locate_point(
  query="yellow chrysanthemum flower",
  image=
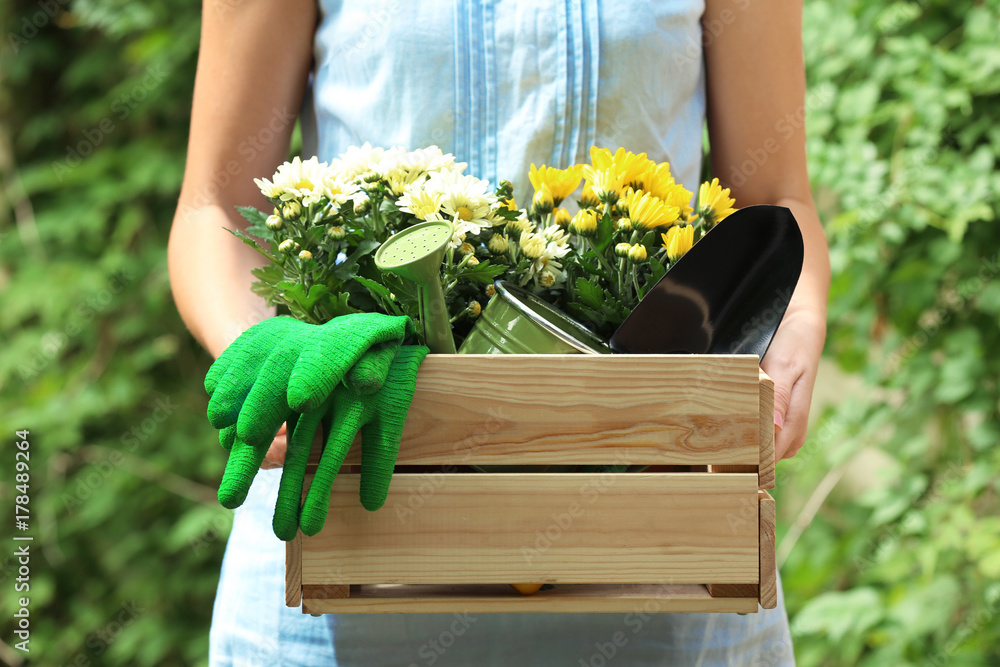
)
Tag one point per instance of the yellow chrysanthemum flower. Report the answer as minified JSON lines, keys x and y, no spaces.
{"x":588,"y":198}
{"x":714,"y":202}
{"x":561,"y":182}
{"x":678,"y":240}
{"x":608,"y":175}
{"x":658,"y":181}
{"x":648,"y":212}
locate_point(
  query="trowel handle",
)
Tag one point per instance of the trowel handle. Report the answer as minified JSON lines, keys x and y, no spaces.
{"x":434,"y":318}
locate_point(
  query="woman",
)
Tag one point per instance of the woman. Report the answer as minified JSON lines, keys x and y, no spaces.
{"x":499,"y":85}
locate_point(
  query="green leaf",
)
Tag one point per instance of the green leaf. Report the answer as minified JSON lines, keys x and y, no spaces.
{"x":257,"y":220}
{"x":483,"y":273}
{"x":252,"y":243}
{"x":349,"y":267}
{"x":589,"y":294}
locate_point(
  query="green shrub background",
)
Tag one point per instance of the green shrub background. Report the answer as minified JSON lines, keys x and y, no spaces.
{"x":889,"y":528}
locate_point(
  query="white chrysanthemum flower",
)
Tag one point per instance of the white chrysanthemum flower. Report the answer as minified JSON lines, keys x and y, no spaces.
{"x":429,"y":160}
{"x":465,"y":200}
{"x":420,"y":202}
{"x":357,"y":161}
{"x":556,"y":234}
{"x":457,"y":239}
{"x":532,"y":245}
{"x":300,"y":180}
{"x":544,"y":255}
{"x":338,"y":191}
{"x":521,"y":224}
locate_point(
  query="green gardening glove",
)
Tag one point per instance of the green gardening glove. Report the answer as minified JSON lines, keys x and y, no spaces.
{"x":281,"y":366}
{"x":379,"y":416}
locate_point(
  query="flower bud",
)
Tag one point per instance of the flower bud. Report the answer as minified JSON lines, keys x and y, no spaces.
{"x":542,"y":202}
{"x":547,"y":279}
{"x":490,"y":291}
{"x":624,"y":225}
{"x":336,"y":233}
{"x":474,"y":309}
{"x":584,"y":222}
{"x":520,"y":224}
{"x":291,"y":210}
{"x":466,"y":249}
{"x":588,"y":198}
{"x":505,"y":190}
{"x":305,"y":255}
{"x":472,"y":261}
{"x":498,"y":244}
{"x":532,"y":245}
{"x":362,"y":206}
{"x":288,"y":246}
{"x":637,"y":253}
{"x":562,"y":217}
{"x":372,"y":177}
{"x":622,"y":249}
{"x":274,"y":223}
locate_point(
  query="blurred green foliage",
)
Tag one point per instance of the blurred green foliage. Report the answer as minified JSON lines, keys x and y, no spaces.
{"x":904,"y":135}
{"x":901,"y":564}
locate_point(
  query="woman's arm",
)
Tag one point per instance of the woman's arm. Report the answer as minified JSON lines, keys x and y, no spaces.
{"x":756,"y":110}
{"x":253,"y":65}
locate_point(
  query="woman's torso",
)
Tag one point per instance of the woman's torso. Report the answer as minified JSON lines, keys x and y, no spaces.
{"x":504,"y":84}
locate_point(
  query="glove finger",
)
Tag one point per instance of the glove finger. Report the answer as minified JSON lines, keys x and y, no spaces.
{"x":227,"y":437}
{"x":265,"y":408}
{"x":231,"y":389}
{"x":348,"y":416}
{"x":243,"y":464}
{"x":379,"y":450}
{"x":381,"y":436}
{"x":369,"y":374}
{"x":334,"y":348}
{"x":286,"y":510}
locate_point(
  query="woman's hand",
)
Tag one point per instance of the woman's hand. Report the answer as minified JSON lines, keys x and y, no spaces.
{"x":792,"y":361}
{"x":275,"y":456}
{"x":756,"y":124}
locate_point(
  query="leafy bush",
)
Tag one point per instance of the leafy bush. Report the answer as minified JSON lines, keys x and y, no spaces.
{"x":904,"y":134}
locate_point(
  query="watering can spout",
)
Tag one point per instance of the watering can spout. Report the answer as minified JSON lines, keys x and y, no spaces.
{"x":415,"y":254}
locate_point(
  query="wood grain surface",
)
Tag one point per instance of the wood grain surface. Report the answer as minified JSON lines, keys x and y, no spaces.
{"x":548,"y":528}
{"x":582,"y":409}
{"x":572,"y":598}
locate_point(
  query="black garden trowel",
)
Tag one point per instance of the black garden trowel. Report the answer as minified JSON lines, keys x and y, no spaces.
{"x":727,"y":295}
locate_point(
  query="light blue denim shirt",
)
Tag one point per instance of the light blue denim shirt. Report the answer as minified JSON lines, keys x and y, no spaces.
{"x":504,"y":84}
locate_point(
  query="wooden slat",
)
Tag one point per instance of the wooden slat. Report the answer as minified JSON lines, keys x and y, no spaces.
{"x":768,"y":568}
{"x":293,"y":571}
{"x":547,"y":528}
{"x":325,"y":592}
{"x":766,"y":431}
{"x":734,"y":591}
{"x":581,"y":409}
{"x":571,"y":598}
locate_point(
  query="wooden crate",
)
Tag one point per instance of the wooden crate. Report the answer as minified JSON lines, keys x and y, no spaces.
{"x":695,"y":533}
